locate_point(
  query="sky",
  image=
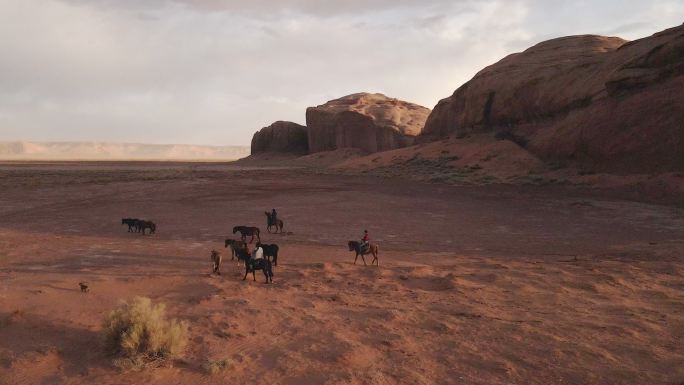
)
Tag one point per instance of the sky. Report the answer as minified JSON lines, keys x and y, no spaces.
{"x":215,"y":71}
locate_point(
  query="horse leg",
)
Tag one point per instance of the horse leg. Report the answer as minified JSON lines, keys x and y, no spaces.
{"x":357,"y":257}
{"x":254,"y":275}
{"x":364,"y":260}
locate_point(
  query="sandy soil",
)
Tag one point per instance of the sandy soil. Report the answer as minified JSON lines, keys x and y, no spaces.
{"x":476,"y":285}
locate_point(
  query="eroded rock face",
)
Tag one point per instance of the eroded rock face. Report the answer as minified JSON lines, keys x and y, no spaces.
{"x":607,"y":104}
{"x":370,"y":122}
{"x":284,"y":137}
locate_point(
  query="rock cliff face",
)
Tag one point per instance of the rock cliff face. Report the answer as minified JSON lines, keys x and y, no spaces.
{"x":602,"y":102}
{"x":369,"y":122}
{"x":286,"y":137}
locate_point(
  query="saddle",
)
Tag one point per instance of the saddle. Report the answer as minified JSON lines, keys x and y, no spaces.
{"x":364,"y":247}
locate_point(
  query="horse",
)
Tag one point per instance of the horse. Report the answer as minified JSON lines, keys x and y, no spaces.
{"x":131,"y":222}
{"x":247,"y":231}
{"x":216,"y":262}
{"x":234,"y":245}
{"x":143,"y":225}
{"x":269,"y":223}
{"x":242,"y":254}
{"x":270,"y":251}
{"x":358,"y":248}
{"x":263,"y":264}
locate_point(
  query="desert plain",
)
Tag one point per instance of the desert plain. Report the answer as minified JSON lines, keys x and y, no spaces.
{"x":491,"y":284}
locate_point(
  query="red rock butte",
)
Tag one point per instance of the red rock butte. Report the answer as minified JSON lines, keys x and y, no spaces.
{"x":370,"y":122}
{"x":601,"y":102}
{"x":284,"y":137}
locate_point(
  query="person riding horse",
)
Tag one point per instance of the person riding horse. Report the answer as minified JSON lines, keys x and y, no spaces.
{"x":258,"y":252}
{"x":273,"y":218}
{"x":365,"y":241}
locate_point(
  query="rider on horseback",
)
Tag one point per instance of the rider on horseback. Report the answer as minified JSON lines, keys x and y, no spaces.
{"x":365,"y":241}
{"x":274,"y":218}
{"x":258,"y":252}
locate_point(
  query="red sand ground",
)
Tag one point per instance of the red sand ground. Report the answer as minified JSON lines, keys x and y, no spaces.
{"x":476,"y":285}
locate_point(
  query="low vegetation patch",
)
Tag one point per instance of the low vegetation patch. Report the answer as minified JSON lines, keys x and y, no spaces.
{"x":138,"y":334}
{"x":214,"y":367}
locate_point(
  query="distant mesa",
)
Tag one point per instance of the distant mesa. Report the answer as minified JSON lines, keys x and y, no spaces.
{"x":281,"y":137}
{"x":600,"y":102}
{"x":369,"y":122}
{"x":117,"y":151}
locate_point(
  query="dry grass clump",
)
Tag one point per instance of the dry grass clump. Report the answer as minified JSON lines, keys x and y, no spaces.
{"x":214,"y":367}
{"x":139,"y":334}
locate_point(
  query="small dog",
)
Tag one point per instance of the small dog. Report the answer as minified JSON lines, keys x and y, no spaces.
{"x":84,"y":287}
{"x":216,"y":262}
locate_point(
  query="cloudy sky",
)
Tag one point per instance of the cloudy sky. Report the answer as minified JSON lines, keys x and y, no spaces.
{"x":214,"y":71}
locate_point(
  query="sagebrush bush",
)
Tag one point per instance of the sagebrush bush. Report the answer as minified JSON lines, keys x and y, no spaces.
{"x":140,"y":331}
{"x":215,"y":366}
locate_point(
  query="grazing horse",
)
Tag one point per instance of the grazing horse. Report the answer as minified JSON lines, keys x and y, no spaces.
{"x":131,"y":222}
{"x":270,"y":251}
{"x":263,"y":264}
{"x":247,"y":231}
{"x":269,"y":223}
{"x":216,"y":262}
{"x":358,"y":248}
{"x":234,"y":246}
{"x":143,"y":225}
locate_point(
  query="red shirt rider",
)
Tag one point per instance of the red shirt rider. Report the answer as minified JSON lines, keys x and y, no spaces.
{"x":365,"y":238}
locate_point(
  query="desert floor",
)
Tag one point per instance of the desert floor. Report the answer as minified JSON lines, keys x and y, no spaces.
{"x":476,"y":285}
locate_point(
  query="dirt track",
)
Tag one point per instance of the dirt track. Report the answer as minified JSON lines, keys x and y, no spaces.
{"x":476,"y":285}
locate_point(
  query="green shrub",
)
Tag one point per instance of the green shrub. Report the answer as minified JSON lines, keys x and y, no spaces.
{"x":139,"y":332}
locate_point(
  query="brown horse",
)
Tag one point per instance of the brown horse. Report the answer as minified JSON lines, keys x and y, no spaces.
{"x":143,"y":225}
{"x":234,"y":246}
{"x":246,"y":231}
{"x":358,"y":248}
{"x":269,"y":223}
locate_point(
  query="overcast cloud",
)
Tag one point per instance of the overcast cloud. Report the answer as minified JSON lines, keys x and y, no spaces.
{"x":213,"y":72}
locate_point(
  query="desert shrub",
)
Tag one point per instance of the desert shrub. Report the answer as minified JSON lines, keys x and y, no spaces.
{"x":214,"y":367}
{"x":139,"y":332}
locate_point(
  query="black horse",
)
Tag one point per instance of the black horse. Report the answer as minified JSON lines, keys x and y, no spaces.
{"x":242,"y":254}
{"x":132,"y":224}
{"x":143,"y":225}
{"x":246,"y":231}
{"x":270,"y":251}
{"x":263,"y":264}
